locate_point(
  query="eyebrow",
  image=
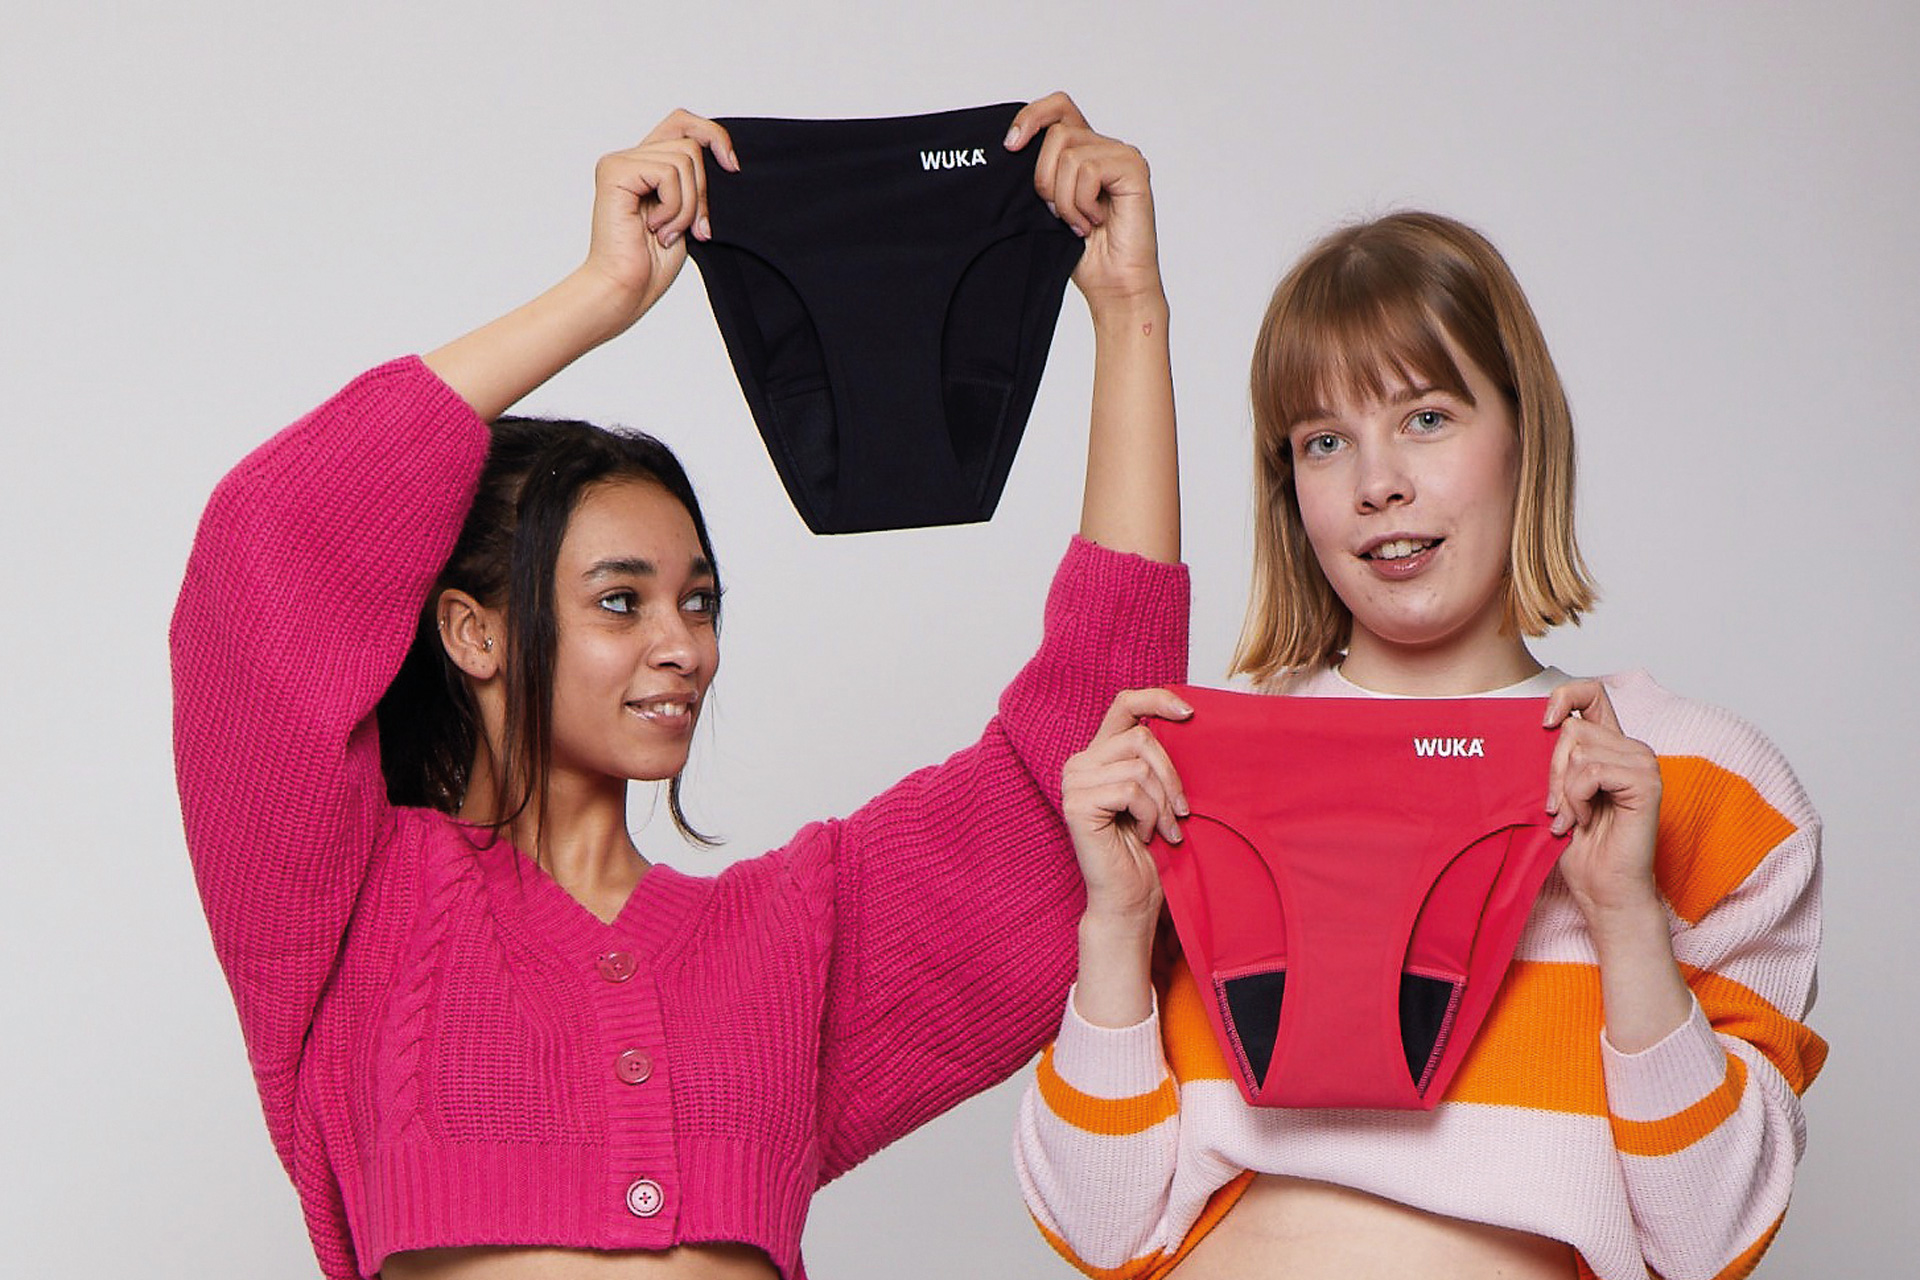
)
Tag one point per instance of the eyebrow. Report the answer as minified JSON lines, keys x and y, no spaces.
{"x":1407,"y":395}
{"x":640,"y":567}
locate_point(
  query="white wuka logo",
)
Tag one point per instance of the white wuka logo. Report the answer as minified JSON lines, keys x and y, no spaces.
{"x":1450,"y":747}
{"x":952,"y":159}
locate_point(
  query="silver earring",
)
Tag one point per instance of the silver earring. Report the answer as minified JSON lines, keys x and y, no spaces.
{"x":489,"y":645}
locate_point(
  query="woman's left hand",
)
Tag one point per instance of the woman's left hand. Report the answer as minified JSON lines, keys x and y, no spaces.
{"x":1604,"y":787}
{"x":1100,"y":187}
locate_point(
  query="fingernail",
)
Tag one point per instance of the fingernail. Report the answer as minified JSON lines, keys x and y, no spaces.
{"x":1180,"y":807}
{"x":1553,"y":804}
{"x":730,"y":160}
{"x":1182,"y":708}
{"x":1081,"y":232}
{"x":1050,"y":209}
{"x":669,"y":238}
{"x":703,"y":229}
{"x":1013,"y":138}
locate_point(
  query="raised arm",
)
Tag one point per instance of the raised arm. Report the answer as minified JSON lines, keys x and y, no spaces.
{"x":647,"y":200}
{"x":303,"y":592}
{"x":1100,"y":187}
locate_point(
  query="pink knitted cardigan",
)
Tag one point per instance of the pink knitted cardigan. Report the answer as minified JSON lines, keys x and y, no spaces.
{"x":449,"y":1049}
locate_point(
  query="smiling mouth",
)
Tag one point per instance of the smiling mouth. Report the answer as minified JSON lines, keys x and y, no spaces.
{"x":1401,"y":548}
{"x":663,"y":708}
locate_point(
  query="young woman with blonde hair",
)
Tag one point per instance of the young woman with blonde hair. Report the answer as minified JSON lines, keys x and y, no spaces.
{"x":1631,"y":1105}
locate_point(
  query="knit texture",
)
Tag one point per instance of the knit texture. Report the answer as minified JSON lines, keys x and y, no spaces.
{"x":449,"y":1049}
{"x":1676,"y":1161}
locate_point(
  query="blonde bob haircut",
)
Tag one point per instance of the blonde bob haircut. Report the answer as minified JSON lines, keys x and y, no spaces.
{"x":1371,"y":307}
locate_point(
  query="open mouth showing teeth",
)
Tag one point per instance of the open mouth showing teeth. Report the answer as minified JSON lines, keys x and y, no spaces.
{"x":662,"y":708}
{"x":1400,"y":549}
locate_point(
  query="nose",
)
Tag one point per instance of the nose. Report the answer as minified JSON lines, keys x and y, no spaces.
{"x":1382,"y":480}
{"x":675,"y":647}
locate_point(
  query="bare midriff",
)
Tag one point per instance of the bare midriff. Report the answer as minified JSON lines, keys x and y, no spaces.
{"x":1292,"y":1229}
{"x":684,"y":1262}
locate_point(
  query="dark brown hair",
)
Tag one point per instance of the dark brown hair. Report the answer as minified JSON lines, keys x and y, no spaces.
{"x":536,"y":472}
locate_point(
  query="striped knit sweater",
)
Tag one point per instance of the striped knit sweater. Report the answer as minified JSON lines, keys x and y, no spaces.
{"x":449,"y":1049}
{"x":1676,"y":1161}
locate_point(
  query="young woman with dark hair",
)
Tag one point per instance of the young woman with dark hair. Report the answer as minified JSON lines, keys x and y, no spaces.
{"x":418,"y":661}
{"x":1631,"y":1104}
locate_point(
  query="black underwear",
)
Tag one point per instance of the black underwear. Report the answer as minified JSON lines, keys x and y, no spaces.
{"x":887,"y":290}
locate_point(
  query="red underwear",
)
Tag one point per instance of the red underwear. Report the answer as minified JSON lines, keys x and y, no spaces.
{"x":1354,"y":879}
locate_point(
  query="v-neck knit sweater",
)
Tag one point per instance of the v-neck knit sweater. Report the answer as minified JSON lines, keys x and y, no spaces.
{"x":449,"y":1049}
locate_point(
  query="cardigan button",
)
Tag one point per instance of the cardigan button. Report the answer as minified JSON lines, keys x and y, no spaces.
{"x":644,"y":1198}
{"x":634,"y":1066}
{"x":616,"y":966}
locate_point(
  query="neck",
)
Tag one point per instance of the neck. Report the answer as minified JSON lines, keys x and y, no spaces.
{"x":577,"y":833}
{"x":1437,"y":671}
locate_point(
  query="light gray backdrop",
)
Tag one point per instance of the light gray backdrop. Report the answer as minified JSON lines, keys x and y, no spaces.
{"x":215,"y":212}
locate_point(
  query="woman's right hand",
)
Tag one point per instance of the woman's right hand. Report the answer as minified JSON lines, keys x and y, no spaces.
{"x":647,"y":200}
{"x":1117,"y":795}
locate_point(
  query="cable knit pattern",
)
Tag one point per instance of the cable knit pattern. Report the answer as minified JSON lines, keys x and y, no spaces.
{"x":449,"y":1049}
{"x":1676,"y":1161}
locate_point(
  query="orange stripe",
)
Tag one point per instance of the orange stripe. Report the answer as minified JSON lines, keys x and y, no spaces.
{"x":1139,"y":1269}
{"x":1192,"y":1050}
{"x":1154,"y":1266}
{"x":1218,"y":1205}
{"x":1743,"y":1265}
{"x":1681,"y":1130}
{"x":1538,"y":1047}
{"x":1714,"y":830}
{"x":1107,"y":1117}
{"x":1745,"y":1014}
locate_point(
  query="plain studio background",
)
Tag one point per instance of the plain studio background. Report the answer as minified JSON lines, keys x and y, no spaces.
{"x":216,"y":213}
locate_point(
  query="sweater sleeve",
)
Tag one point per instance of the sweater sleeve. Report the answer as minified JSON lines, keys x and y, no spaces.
{"x":1097,"y":1150}
{"x":301,"y":596}
{"x":955,"y":893}
{"x":1708,"y":1122}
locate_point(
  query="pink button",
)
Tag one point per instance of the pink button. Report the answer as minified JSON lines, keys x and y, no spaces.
{"x":616,"y":966}
{"x":644,"y":1198}
{"x":633,"y":1066}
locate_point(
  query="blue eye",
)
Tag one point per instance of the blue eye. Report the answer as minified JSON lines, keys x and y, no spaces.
{"x":1319,"y":444}
{"x":1428,"y":420}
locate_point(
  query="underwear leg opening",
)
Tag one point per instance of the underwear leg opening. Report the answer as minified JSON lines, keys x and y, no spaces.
{"x":1439,"y":958}
{"x":998,"y":327}
{"x":778,"y":357}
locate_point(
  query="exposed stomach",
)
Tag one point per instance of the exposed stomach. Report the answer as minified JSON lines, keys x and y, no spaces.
{"x":683,"y":1262}
{"x":1292,"y":1229}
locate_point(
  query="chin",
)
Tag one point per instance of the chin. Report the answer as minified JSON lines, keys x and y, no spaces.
{"x":654,"y":770}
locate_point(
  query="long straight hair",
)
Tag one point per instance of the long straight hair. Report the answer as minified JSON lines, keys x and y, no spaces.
{"x":536,"y":472}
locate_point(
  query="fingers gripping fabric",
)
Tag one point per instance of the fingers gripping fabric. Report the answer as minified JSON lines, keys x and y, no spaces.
{"x":1355,"y":877}
{"x":887,"y":290}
